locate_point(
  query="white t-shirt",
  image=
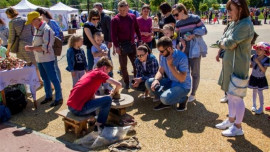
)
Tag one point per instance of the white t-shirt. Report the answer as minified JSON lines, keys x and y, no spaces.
{"x":144,"y":65}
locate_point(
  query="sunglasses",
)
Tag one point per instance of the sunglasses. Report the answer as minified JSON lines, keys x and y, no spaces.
{"x":141,"y":55}
{"x":176,"y":15}
{"x":163,"y":51}
{"x":237,"y":2}
{"x":95,"y":19}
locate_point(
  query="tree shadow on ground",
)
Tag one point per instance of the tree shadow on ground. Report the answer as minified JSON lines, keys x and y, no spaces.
{"x":36,"y":119}
{"x":194,"y":120}
{"x":258,"y":121}
{"x":240,"y":144}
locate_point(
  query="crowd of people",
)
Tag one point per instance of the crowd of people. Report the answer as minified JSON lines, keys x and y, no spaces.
{"x":256,"y":12}
{"x":172,"y":78}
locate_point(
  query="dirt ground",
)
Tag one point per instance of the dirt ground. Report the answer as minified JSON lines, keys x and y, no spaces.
{"x":169,"y":130}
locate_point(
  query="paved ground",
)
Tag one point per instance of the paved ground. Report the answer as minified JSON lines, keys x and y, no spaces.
{"x":14,"y":139}
{"x":168,"y":130}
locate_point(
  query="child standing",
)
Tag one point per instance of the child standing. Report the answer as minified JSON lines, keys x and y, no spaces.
{"x":3,"y":50}
{"x":168,"y":31}
{"x":99,"y":38}
{"x":257,"y":80}
{"x":76,"y":58}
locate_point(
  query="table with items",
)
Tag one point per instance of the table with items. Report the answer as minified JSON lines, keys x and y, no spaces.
{"x":16,"y":71}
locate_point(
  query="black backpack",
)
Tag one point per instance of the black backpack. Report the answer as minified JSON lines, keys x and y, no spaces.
{"x":15,"y":99}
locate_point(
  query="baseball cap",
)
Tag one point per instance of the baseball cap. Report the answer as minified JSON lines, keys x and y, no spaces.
{"x":31,"y":16}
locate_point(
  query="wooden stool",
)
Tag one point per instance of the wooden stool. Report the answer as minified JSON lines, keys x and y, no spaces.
{"x":76,"y":123}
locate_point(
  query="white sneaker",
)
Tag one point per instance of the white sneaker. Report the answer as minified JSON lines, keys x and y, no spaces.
{"x":225,"y":124}
{"x":224,"y":99}
{"x":253,"y":109}
{"x":233,"y":131}
{"x":191,"y":98}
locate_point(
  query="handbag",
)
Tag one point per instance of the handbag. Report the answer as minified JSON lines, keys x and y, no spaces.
{"x":15,"y":45}
{"x":57,"y":45}
{"x":237,"y":86}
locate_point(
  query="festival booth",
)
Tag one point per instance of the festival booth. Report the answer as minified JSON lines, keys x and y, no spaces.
{"x":23,"y":7}
{"x":63,"y":14}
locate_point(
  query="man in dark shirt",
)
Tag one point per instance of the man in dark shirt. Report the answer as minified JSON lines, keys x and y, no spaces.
{"x":105,"y":23}
{"x":123,"y":28}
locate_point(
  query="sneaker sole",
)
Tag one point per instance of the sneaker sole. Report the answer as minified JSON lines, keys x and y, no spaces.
{"x":179,"y":110}
{"x":221,"y":128}
{"x":161,"y":108}
{"x":233,"y":135}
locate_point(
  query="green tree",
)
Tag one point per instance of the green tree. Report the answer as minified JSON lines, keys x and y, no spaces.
{"x":4,"y":4}
{"x":189,"y":4}
{"x":203,"y":7}
{"x":210,"y":2}
{"x":13,"y":2}
{"x":215,"y":6}
{"x":154,"y":4}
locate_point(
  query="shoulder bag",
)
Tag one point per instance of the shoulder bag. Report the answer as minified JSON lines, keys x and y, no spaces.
{"x":237,"y":86}
{"x":15,"y":45}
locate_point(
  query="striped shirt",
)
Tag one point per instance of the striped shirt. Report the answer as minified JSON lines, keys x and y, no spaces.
{"x":188,"y":25}
{"x":17,"y":28}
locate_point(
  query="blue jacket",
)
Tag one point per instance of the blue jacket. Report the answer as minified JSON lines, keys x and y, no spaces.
{"x":197,"y":45}
{"x":151,"y":67}
{"x":71,"y":59}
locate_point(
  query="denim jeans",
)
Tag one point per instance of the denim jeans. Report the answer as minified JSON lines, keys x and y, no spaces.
{"x":90,"y":59}
{"x":48,"y":75}
{"x":58,"y":73}
{"x":168,"y":95}
{"x":102,"y":103}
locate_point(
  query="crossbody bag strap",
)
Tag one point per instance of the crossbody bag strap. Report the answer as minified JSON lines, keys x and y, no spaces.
{"x":21,"y":31}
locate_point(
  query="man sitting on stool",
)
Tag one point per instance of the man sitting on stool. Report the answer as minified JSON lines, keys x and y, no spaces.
{"x":175,"y":88}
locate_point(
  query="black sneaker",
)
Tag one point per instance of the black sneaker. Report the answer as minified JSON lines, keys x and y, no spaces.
{"x":46,"y":100}
{"x":183,"y":106}
{"x":56,"y":102}
{"x":161,"y":106}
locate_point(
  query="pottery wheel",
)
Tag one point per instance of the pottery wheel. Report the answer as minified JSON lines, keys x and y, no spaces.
{"x":124,"y":102}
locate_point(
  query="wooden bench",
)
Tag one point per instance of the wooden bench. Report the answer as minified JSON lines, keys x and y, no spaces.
{"x":76,"y":123}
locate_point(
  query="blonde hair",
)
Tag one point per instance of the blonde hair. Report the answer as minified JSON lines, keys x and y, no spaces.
{"x":73,"y":39}
{"x":1,"y":41}
{"x":168,"y":27}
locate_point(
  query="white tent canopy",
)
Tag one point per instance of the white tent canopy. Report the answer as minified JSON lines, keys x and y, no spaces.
{"x":23,"y":7}
{"x":104,"y":10}
{"x":62,"y":14}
